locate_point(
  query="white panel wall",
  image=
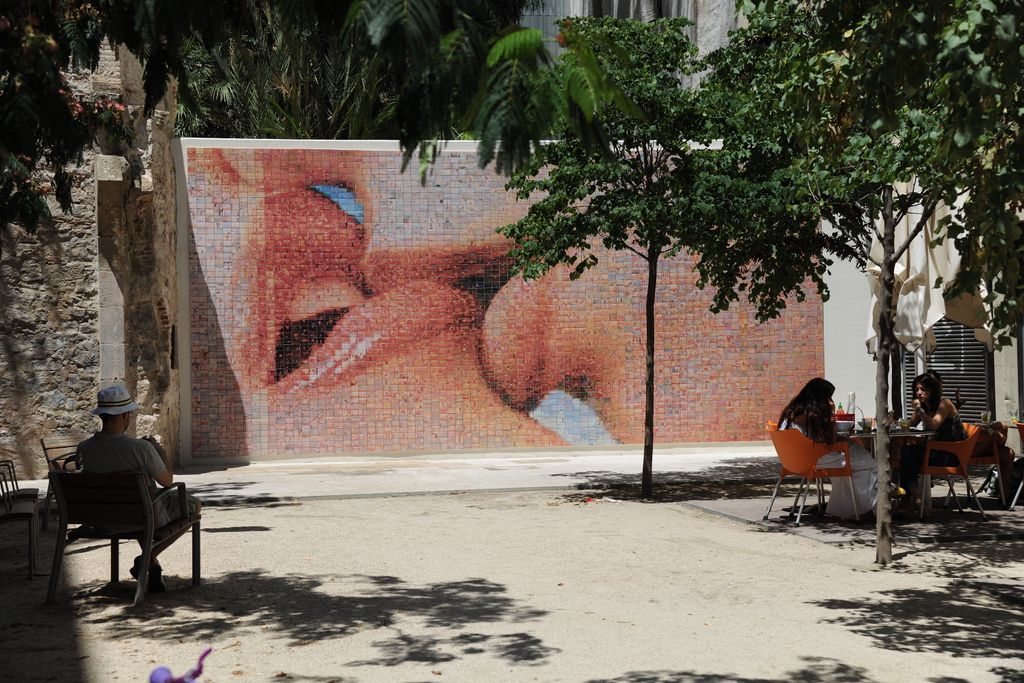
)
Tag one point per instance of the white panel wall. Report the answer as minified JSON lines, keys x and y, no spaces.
{"x":851,"y":368}
{"x":847,"y":362}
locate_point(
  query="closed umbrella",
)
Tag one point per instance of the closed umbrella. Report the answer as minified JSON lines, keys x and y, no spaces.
{"x":919,"y":302}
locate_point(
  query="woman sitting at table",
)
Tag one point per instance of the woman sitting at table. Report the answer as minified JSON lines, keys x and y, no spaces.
{"x":812,"y":412}
{"x":936,"y":413}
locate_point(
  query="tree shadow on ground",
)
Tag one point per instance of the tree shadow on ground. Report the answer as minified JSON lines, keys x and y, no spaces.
{"x":960,"y":618}
{"x":963,"y":562}
{"x":233,"y":495}
{"x":747,"y":478}
{"x":814,"y":670}
{"x":683,"y":491}
{"x":310,"y":609}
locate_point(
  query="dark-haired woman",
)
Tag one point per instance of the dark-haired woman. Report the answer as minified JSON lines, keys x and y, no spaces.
{"x":812,"y":411}
{"x":936,"y":413}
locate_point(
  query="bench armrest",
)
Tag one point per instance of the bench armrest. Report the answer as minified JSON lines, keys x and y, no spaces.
{"x":179,"y":488}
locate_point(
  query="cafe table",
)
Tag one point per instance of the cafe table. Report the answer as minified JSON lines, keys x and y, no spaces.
{"x":867,"y":439}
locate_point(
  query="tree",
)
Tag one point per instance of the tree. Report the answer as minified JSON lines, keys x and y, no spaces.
{"x":875,"y":57}
{"x":456,"y":73}
{"x":658,"y":190}
{"x":303,"y":80}
{"x":40,"y":117}
{"x":857,"y":146}
{"x":287,"y":81}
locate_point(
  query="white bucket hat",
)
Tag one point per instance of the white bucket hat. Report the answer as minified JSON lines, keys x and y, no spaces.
{"x":114,"y":401}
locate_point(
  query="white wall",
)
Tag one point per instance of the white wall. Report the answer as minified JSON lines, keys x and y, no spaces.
{"x":847,"y":362}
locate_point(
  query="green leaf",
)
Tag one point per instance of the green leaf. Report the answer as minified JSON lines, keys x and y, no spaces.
{"x":521,"y":45}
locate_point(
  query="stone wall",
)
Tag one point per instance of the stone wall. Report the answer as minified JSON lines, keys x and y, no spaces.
{"x":88,"y":298}
{"x":49,"y":351}
{"x":137,"y":249}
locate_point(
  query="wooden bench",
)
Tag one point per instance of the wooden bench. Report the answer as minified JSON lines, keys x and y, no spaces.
{"x":118,"y":506}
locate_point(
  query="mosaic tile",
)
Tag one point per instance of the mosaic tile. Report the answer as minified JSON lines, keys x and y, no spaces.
{"x":339,"y":306}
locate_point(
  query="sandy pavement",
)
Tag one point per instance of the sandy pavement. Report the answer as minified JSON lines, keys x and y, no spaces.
{"x":518,"y":586}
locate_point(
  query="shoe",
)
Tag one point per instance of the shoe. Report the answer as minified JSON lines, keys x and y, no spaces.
{"x":156,"y":579}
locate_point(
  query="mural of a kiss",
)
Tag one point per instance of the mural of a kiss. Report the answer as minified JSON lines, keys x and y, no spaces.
{"x":340,"y":306}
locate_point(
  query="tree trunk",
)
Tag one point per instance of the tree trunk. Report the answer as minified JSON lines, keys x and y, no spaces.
{"x":647,"y":480}
{"x":597,"y":8}
{"x":650,"y":10}
{"x":886,"y":345}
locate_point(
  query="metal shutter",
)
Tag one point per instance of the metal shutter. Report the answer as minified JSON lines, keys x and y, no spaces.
{"x":964,"y":363}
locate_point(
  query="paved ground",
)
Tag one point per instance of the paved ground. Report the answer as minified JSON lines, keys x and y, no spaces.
{"x":395,"y":475}
{"x":548,"y":584}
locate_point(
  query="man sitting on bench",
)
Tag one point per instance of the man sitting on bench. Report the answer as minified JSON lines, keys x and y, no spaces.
{"x":112,"y":450}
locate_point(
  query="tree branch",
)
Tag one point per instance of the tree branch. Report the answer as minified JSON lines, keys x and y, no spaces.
{"x":926,"y":214}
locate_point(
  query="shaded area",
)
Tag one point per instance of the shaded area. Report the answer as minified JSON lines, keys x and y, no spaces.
{"x":234,"y":494}
{"x":445,"y":617}
{"x":741,"y":478}
{"x":740,"y":490}
{"x":962,"y":621}
{"x":965,"y":563}
{"x":29,"y":643}
{"x":816,"y":670}
{"x":213,"y":379}
{"x":941,"y":526}
{"x":823,"y":669}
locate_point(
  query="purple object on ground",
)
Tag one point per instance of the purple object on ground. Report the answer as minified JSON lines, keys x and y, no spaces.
{"x":163,"y":674}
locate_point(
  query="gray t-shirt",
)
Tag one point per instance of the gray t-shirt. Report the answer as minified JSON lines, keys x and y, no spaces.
{"x":104,"y":453}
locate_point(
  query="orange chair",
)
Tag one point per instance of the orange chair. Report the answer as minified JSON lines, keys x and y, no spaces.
{"x":798,"y":457}
{"x":987,"y":453}
{"x":963,"y":450}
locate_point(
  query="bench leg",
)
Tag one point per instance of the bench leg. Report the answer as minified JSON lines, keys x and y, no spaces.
{"x":115,"y":562}
{"x":143,"y":578}
{"x":32,"y":542}
{"x":58,"y":559}
{"x":195,"y":553}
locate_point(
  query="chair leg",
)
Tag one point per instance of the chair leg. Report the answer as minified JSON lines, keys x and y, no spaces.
{"x":58,"y":559}
{"x":971,"y":494}
{"x":32,"y":542}
{"x":1016,"y":496}
{"x":46,"y":506}
{"x":988,"y":478}
{"x":799,"y":490}
{"x":196,"y":535}
{"x":800,"y":514}
{"x":956,"y":498}
{"x":821,"y":499}
{"x":926,"y":493}
{"x":775,"y":493}
{"x":853,"y":498}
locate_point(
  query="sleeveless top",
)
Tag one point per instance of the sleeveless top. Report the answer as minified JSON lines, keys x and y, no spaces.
{"x":951,"y":429}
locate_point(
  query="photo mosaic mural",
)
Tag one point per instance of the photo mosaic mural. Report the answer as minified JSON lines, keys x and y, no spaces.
{"x":339,"y":306}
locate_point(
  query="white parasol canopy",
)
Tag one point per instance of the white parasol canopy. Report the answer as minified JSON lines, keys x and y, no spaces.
{"x":919,"y":303}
